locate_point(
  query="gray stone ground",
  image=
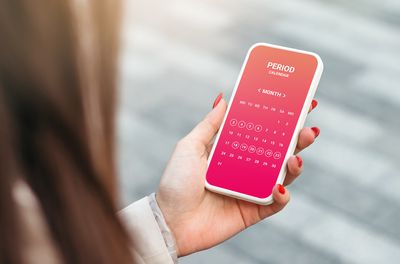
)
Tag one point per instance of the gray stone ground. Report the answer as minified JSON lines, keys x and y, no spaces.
{"x":179,"y":54}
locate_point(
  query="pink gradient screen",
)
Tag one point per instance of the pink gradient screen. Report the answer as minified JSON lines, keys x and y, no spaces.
{"x":255,"y":138}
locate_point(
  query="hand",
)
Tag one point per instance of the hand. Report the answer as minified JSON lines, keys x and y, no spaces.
{"x":198,"y":218}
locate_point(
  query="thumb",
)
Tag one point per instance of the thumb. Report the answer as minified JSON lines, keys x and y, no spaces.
{"x":209,"y":126}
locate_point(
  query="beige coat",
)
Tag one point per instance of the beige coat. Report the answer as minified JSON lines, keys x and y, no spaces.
{"x":138,"y":217}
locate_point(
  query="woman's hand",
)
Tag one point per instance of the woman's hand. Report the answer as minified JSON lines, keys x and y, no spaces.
{"x":198,"y":218}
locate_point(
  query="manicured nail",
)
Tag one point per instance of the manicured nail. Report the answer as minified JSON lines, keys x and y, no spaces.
{"x":314,"y":103}
{"x":300,"y":161}
{"x":316,"y":131}
{"x":217,"y":100}
{"x":281,"y":189}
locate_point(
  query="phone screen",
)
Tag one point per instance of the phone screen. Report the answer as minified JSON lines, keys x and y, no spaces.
{"x":262,"y":118}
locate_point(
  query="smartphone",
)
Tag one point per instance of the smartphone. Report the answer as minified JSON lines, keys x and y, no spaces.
{"x":266,"y":112}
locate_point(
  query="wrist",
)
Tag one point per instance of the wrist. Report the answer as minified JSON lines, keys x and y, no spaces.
{"x":170,"y":219}
{"x":166,"y":232}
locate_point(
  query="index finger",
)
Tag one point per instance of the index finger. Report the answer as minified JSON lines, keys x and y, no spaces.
{"x":313,"y":105}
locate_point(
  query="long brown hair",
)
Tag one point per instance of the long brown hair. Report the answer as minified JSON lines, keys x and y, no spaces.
{"x":57,"y":95}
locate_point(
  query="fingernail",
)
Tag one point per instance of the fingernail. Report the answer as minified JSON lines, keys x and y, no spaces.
{"x":314,"y":103}
{"x":217,"y":100}
{"x":281,"y":189}
{"x":300,"y":161}
{"x":316,"y":131}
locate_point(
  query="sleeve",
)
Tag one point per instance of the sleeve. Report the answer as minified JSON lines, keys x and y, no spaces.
{"x":152,"y":239}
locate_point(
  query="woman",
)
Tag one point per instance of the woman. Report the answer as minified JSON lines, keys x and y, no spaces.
{"x":58,"y":195}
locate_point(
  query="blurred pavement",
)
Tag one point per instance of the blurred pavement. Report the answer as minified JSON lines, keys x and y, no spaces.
{"x":179,"y":54}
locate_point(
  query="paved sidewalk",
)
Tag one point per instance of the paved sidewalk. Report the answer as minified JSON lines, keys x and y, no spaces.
{"x":179,"y":54}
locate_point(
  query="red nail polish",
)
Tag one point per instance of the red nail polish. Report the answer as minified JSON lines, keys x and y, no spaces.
{"x":281,"y":189}
{"x":217,"y":100}
{"x":300,"y":161}
{"x":316,"y":131}
{"x":314,"y":103}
